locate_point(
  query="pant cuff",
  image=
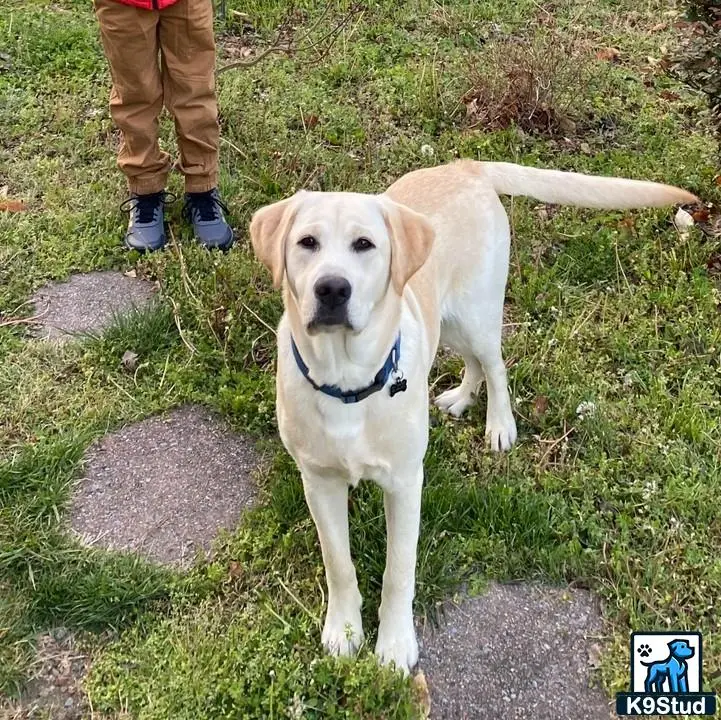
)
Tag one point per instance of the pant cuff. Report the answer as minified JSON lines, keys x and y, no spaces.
{"x":200,"y":184}
{"x":146,"y":187}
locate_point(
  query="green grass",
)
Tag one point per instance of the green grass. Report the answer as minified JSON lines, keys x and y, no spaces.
{"x":609,"y":308}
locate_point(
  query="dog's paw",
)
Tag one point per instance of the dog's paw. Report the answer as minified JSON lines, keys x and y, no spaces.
{"x":342,"y":633}
{"x":397,"y":645}
{"x":501,"y":432}
{"x":455,"y":401}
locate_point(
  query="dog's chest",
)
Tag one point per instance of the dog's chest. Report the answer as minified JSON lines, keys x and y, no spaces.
{"x":334,"y":439}
{"x":351,"y":445}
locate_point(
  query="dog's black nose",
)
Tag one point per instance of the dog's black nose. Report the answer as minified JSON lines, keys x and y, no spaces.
{"x":332,"y":291}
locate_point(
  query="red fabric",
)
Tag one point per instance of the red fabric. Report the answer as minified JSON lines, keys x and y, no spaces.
{"x":149,"y":4}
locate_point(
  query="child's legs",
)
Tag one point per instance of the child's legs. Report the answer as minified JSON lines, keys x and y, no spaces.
{"x":187,"y":47}
{"x":130,"y":40}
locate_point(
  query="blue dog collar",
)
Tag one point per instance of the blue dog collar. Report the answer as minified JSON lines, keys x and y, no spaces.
{"x":390,"y":368}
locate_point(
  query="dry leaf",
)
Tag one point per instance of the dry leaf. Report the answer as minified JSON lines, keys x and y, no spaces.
{"x":540,"y":405}
{"x":717,"y":179}
{"x":714,"y":264}
{"x":701,"y":215}
{"x":609,"y":54}
{"x":424,"y":697}
{"x":13,"y":206}
{"x":669,"y":95}
{"x":129,"y":360}
{"x":594,"y":656}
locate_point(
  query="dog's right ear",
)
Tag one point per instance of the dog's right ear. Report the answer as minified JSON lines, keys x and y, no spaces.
{"x":269,"y":231}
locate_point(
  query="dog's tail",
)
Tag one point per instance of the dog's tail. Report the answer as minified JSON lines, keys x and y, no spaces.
{"x":567,"y":188}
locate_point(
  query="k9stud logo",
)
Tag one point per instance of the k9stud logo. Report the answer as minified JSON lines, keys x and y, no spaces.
{"x":666,"y":676}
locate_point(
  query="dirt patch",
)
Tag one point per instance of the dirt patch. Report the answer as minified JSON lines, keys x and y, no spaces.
{"x":163,"y":487}
{"x":87,"y":303}
{"x":518,"y":651}
{"x":54,"y":689}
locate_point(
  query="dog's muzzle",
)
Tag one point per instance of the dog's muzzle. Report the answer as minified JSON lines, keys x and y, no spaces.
{"x":332,"y":293}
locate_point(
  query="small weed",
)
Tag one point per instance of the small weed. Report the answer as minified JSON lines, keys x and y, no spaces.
{"x":537,"y":84}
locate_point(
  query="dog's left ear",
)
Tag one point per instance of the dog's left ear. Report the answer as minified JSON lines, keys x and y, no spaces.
{"x":269,"y":230}
{"x":411,"y":241}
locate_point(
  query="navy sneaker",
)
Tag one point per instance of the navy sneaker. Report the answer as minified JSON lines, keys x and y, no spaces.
{"x":146,"y":228}
{"x":205,"y":211}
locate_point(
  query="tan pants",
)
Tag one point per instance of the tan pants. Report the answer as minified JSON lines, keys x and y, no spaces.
{"x":183,"y":81}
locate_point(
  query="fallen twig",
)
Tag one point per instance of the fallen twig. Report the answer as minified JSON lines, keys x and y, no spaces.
{"x":176,"y":317}
{"x":554,"y":444}
{"x":23,"y":321}
{"x":292,"y":45}
{"x":259,"y":319}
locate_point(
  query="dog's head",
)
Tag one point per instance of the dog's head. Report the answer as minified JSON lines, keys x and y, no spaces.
{"x":680,"y":649}
{"x":341,"y":254}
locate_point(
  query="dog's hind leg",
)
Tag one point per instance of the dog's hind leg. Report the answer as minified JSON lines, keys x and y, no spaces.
{"x":478,"y":338}
{"x":485,"y":358}
{"x":456,"y":401}
{"x":500,"y":424}
{"x":327,"y":499}
{"x":472,"y":325}
{"x":655,"y":678}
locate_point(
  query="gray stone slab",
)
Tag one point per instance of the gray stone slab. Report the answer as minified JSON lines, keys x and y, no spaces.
{"x":517,"y":651}
{"x":87,"y":302}
{"x":163,"y":487}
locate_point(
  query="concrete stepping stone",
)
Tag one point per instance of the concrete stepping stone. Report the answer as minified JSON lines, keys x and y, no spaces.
{"x":87,"y":302}
{"x":518,"y":651}
{"x":163,"y":487}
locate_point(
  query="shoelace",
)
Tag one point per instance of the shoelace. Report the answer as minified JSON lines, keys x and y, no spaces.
{"x":207,"y":205}
{"x":146,"y":206}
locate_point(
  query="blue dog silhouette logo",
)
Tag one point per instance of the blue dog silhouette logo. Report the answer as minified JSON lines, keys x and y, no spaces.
{"x":671,"y":674}
{"x":666,"y":676}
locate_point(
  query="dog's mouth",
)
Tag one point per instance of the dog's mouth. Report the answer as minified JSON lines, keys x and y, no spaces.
{"x":328,"y":320}
{"x":316,"y":326}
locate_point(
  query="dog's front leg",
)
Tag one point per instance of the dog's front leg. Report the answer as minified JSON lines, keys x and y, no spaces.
{"x":396,"y":634}
{"x":327,"y":499}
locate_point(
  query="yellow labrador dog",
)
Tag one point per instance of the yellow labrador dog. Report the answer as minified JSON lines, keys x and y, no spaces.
{"x":371,"y":285}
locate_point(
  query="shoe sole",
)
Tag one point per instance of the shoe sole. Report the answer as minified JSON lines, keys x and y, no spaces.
{"x":144,"y":250}
{"x":147,"y":248}
{"x":223,"y":247}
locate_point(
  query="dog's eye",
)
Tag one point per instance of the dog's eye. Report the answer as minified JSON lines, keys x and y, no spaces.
{"x":362,"y":244}
{"x":308,"y":242}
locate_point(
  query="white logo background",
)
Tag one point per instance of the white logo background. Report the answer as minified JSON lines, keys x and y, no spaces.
{"x":660,"y":651}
